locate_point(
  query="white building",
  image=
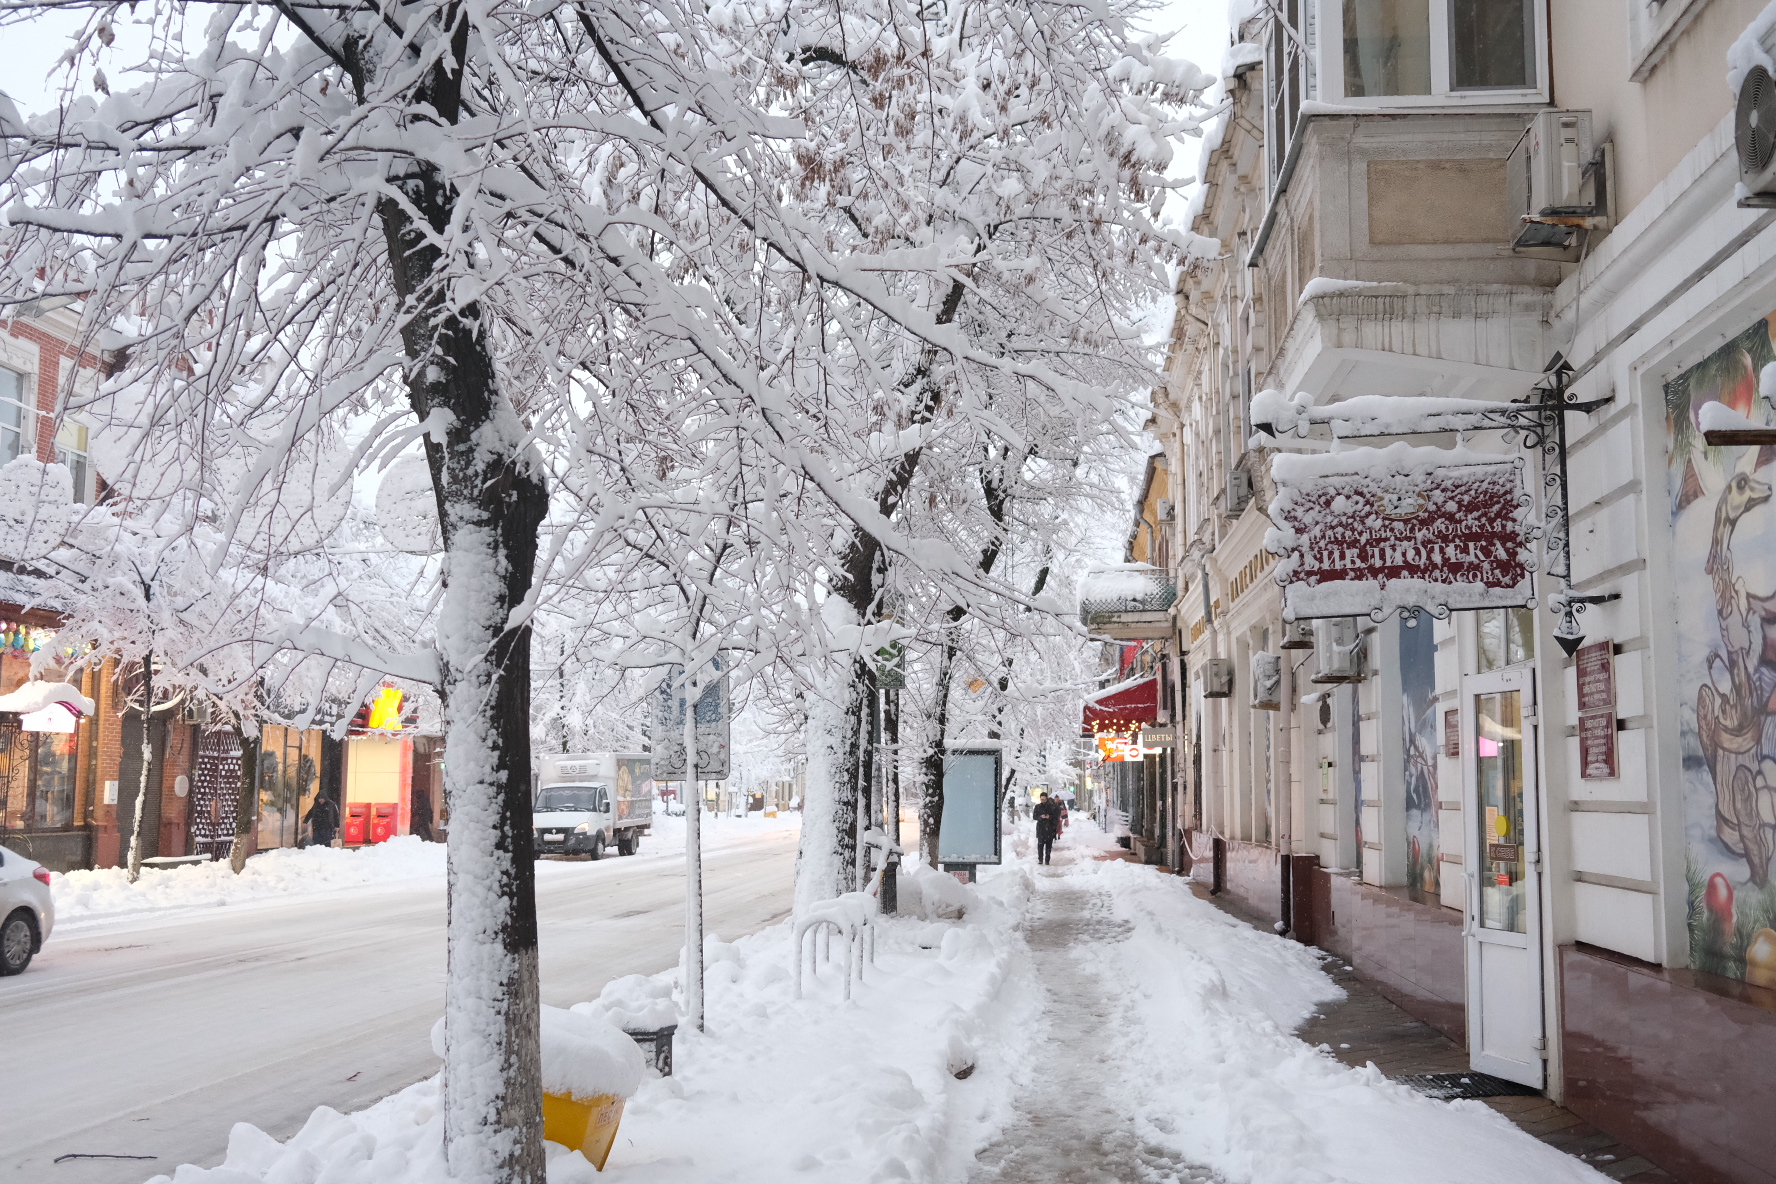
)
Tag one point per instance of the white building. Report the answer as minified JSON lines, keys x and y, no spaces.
{"x":1607,"y":934}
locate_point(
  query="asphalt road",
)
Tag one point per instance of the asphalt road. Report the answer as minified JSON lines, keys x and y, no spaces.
{"x":153,"y":1037}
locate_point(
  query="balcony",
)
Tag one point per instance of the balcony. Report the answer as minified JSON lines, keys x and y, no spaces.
{"x":1127,"y":602}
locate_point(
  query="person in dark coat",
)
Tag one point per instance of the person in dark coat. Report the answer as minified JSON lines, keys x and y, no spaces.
{"x":1048,"y":825}
{"x":323,"y":821}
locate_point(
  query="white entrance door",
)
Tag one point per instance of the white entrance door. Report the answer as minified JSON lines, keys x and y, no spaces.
{"x":1502,"y":861}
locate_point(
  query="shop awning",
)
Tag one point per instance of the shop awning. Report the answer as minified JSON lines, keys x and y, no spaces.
{"x":1122,"y":707}
{"x":35,"y":696}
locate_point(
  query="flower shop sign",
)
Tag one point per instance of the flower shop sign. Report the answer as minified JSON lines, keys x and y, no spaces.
{"x":1371,"y":531}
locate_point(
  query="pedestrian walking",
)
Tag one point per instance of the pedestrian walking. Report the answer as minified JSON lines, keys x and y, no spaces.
{"x":323,"y":821}
{"x":1048,"y":825}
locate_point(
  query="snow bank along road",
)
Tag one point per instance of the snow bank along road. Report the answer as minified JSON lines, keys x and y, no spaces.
{"x":151,"y":1035}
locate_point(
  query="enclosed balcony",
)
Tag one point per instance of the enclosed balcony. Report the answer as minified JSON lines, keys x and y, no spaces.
{"x":1127,"y":602}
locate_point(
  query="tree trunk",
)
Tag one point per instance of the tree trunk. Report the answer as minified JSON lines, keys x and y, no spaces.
{"x":135,"y":845}
{"x":491,"y":503}
{"x":869,"y":802}
{"x":244,"y":804}
{"x":931,"y":767}
{"x":829,"y":810}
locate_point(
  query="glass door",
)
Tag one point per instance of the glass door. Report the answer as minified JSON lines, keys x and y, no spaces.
{"x":1501,"y":860}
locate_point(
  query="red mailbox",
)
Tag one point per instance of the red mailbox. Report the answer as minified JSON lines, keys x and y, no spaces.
{"x":357,"y":824}
{"x":382,"y":826}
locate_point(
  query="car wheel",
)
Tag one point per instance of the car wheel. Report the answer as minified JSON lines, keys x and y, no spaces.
{"x":598,"y":846}
{"x":17,"y":937}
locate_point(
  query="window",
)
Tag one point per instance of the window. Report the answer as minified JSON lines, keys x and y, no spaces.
{"x":1288,"y":80}
{"x":1492,"y":45}
{"x":1444,"y":50}
{"x":1506,"y":636}
{"x":52,"y":780}
{"x":15,"y":435}
{"x":71,"y":451}
{"x":1387,"y":48}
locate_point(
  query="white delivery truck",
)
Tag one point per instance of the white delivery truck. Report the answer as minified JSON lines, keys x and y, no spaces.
{"x":588,"y":801}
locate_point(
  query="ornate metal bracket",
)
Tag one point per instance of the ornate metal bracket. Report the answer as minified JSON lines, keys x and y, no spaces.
{"x":1538,"y":422}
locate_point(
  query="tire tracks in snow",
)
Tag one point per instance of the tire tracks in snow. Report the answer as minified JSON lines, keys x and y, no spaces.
{"x":1068,"y":1128}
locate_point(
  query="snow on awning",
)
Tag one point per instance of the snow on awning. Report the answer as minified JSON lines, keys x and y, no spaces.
{"x":35,"y":696}
{"x":1122,"y":707}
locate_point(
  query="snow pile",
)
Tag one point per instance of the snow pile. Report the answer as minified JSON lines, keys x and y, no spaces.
{"x":1210,"y":1068}
{"x":636,"y":1002}
{"x":106,"y":892}
{"x":585,"y":1056}
{"x":1242,"y":53}
{"x":904,"y":1083}
{"x":1718,"y":417}
{"x":289,"y":871}
{"x":1749,"y":49}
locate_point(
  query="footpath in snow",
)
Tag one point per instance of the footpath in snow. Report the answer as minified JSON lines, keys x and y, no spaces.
{"x":106,"y":893}
{"x":1088,"y":1021}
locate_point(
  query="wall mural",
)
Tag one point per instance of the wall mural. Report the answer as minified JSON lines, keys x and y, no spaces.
{"x":1724,"y":552}
{"x":1419,"y":715}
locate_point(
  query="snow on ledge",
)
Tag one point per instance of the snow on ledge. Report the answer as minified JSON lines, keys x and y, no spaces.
{"x":35,"y":696}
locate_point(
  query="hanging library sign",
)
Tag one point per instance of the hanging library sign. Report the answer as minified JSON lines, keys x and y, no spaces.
{"x":1371,"y":531}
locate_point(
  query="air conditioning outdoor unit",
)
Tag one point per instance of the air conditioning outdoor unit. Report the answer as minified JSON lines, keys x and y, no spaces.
{"x":1298,"y":635}
{"x":1558,"y":184}
{"x":1165,"y":510}
{"x":1239,"y":491}
{"x":1338,"y":650}
{"x":1754,"y":132}
{"x":1217,"y":678}
{"x":1267,"y":681}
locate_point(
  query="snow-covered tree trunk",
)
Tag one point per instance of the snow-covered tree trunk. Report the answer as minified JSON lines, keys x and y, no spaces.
{"x":491,"y":504}
{"x":135,"y":845}
{"x":829,"y":813}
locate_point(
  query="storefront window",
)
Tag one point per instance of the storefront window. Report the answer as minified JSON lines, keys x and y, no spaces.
{"x":1387,"y":48}
{"x":1498,"y":765}
{"x":1507,"y":637}
{"x":52,"y":781}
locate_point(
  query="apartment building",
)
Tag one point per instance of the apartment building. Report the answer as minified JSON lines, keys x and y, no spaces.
{"x":1545,"y":828}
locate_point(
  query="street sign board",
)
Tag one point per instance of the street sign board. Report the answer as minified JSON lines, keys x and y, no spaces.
{"x":712,"y":728}
{"x":968,"y":831}
{"x":1366,"y":531}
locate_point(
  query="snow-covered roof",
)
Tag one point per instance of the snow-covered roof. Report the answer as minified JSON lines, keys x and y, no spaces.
{"x":35,"y":696}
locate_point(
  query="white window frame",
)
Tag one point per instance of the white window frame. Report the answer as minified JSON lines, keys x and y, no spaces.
{"x":83,"y":493}
{"x":1331,"y":66}
{"x":27,"y":402}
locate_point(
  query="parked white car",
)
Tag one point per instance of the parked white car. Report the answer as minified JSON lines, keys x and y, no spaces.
{"x":27,"y":910}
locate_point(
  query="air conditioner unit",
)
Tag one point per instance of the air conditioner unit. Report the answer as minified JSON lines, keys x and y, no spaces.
{"x":1298,"y":635}
{"x":1557,"y":183}
{"x":1217,"y":678}
{"x":1239,"y":491}
{"x":1267,"y":681}
{"x":1754,"y":132}
{"x":1164,"y":509}
{"x":1338,"y":650}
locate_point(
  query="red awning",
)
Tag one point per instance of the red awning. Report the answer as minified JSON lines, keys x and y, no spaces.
{"x":1122,"y":707}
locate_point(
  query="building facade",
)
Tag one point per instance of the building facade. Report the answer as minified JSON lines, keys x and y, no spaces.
{"x":1561,"y":861}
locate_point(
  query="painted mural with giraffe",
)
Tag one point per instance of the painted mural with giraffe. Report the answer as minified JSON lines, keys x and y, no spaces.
{"x":1724,"y":552}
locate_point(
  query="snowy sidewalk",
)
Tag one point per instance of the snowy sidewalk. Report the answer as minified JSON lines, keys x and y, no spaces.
{"x":1166,"y":1054}
{"x":1067,"y":1130}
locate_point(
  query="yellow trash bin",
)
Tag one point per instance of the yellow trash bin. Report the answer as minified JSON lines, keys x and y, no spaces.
{"x":588,"y":1126}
